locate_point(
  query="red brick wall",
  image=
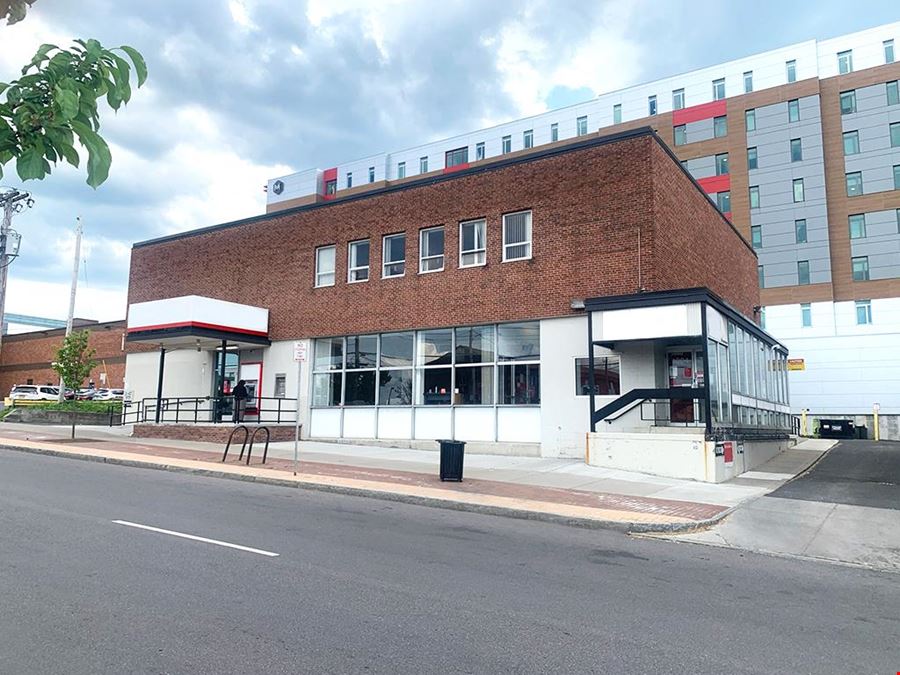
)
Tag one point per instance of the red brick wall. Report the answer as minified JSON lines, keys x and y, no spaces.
{"x":587,"y":204}
{"x":28,"y":356}
{"x":695,"y":246}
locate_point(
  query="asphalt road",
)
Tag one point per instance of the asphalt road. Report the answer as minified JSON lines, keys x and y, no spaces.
{"x":859,"y":473}
{"x":362,"y":585}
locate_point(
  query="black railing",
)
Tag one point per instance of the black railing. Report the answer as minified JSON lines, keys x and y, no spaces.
{"x":208,"y":409}
{"x":634,"y":397}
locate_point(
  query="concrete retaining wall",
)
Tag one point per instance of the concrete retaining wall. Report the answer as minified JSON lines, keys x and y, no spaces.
{"x":36,"y":415}
{"x":217,"y":433}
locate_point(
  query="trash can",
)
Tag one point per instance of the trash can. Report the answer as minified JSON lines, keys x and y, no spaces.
{"x":836,"y":429}
{"x":862,"y":433}
{"x":452,"y":459}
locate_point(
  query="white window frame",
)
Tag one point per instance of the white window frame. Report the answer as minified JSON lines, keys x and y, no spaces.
{"x":401,"y":169}
{"x":479,"y":151}
{"x":677,"y":99}
{"x":371,"y":174}
{"x":423,"y":164}
{"x":790,"y":70}
{"x":748,"y":80}
{"x":423,"y":257}
{"x":351,"y":268}
{"x":617,"y":113}
{"x":320,"y":273}
{"x":888,"y":45}
{"x":845,"y":56}
{"x":521,"y":243}
{"x":716,"y":85}
{"x":866,"y":306}
{"x":805,"y":315}
{"x":652,"y":105}
{"x":794,"y":183}
{"x":581,"y":127}
{"x":506,"y":144}
{"x":482,"y":250}
{"x":554,"y":132}
{"x":528,"y":138}
{"x":385,"y":262}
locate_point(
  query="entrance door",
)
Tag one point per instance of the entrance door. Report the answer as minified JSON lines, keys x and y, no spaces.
{"x":685,"y":369}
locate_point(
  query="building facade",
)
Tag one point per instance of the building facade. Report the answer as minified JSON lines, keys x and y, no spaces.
{"x":799,"y":147}
{"x":458,"y":305}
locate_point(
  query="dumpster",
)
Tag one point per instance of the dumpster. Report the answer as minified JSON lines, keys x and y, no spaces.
{"x":836,"y":429}
{"x":862,"y":433}
{"x":452,"y":459}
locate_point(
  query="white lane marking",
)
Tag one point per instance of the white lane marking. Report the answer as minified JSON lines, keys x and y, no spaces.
{"x":196,"y":538}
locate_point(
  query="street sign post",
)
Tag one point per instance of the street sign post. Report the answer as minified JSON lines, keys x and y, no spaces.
{"x":299,"y":357}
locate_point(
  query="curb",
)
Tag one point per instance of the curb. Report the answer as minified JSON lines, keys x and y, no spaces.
{"x":623,"y":526}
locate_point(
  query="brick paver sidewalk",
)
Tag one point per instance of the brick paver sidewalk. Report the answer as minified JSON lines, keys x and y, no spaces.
{"x":578,"y":504}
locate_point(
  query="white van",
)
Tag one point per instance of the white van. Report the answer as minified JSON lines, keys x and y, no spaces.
{"x":33,"y":392}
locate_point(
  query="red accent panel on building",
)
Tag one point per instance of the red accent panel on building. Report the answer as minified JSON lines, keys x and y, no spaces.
{"x":197,"y":324}
{"x":458,"y":167}
{"x":712,"y":184}
{"x":727,"y":214}
{"x":329,"y":174}
{"x":695,"y":113}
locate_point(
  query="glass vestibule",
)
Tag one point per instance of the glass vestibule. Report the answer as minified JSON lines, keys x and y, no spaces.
{"x":685,"y":369}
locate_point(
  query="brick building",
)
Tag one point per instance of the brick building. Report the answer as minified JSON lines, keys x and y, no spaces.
{"x":798,"y":146}
{"x":25,"y":358}
{"x":462,"y":304}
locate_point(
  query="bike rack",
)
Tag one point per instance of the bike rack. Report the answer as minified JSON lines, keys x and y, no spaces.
{"x":243,"y":445}
{"x":253,"y":438}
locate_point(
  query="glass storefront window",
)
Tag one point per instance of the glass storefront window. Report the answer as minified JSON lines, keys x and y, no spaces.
{"x":434,"y":386}
{"x":606,"y":379}
{"x":395,"y":387}
{"x":520,"y":384}
{"x":519,"y":341}
{"x":327,"y":389}
{"x":360,"y":387}
{"x":713,"y":379}
{"x":397,"y":350}
{"x":475,"y":344}
{"x":434,"y":347}
{"x":362,"y":351}
{"x":329,"y":354}
{"x":474,"y":385}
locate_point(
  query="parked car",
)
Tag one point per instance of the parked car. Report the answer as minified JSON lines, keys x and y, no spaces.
{"x":33,"y":392}
{"x":85,"y":394}
{"x":109,"y":395}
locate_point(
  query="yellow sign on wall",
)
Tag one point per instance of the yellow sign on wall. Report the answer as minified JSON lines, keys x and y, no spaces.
{"x":796,"y":364}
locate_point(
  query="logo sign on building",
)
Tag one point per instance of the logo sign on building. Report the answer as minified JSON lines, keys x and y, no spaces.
{"x":300,"y":351}
{"x":796,"y":364}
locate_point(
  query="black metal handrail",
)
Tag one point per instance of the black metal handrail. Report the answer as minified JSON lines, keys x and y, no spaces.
{"x":642,"y":395}
{"x":205,"y":409}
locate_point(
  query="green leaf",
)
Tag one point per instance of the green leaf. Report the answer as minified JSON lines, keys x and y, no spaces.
{"x":140,"y":66}
{"x":99,"y":157}
{"x":39,"y":57}
{"x":30,"y":164}
{"x":67,"y":101}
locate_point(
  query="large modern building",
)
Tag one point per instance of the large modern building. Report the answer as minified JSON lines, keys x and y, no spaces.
{"x":799,"y":147}
{"x":516,"y":305}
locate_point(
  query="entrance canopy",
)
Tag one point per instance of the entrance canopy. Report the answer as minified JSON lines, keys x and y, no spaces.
{"x":197,"y":321}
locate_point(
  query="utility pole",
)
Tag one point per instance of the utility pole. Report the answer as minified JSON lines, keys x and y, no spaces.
{"x":62,"y":384}
{"x":11,"y":201}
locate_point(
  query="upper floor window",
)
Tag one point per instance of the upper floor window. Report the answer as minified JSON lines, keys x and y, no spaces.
{"x":752,"y":159}
{"x":860,"y":267}
{"x":528,"y":139}
{"x":349,"y":180}
{"x":581,"y":124}
{"x":479,"y":151}
{"x":718,"y":89}
{"x":897,"y":176}
{"x":748,"y":81}
{"x":554,"y":132}
{"x":506,"y":143}
{"x":456,"y":157}
{"x":754,"y":196}
{"x":325,"y":266}
{"x":799,"y":195}
{"x":431,"y":249}
{"x":756,"y":236}
{"x":393,"y":255}
{"x":680,"y":133}
{"x":800,"y":231}
{"x":863,"y":312}
{"x":893,"y":92}
{"x":803,"y":272}
{"x":423,"y":164}
{"x":888,"y":51}
{"x":722,"y":164}
{"x":358,"y":267}
{"x":472,"y":243}
{"x":857,"y":226}
{"x":761,"y":275}
{"x":848,"y":102}
{"x":854,"y":183}
{"x":720,"y":126}
{"x":371,"y":174}
{"x":851,"y":142}
{"x":845,"y":62}
{"x":895,"y":135}
{"x":331,"y":187}
{"x":517,"y":236}
{"x":651,"y":105}
{"x":401,"y":170}
{"x":791,"y":68}
{"x":750,"y":119}
{"x":805,"y":315}
{"x":794,"y":110}
{"x":796,"y":150}
{"x":723,"y":201}
{"x":678,"y":99}
{"x":617,"y":113}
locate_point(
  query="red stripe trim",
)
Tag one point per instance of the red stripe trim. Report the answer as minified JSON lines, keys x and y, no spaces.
{"x":698,"y":112}
{"x":458,"y":167}
{"x":712,"y":184}
{"x":198,"y":324}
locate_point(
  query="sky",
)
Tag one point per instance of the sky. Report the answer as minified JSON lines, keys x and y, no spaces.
{"x":241,"y":91}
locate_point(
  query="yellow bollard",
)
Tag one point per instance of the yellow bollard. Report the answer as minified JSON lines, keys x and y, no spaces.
{"x":875,"y":409}
{"x":803,"y":423}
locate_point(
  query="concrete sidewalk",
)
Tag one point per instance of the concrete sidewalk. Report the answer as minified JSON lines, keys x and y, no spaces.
{"x":552,"y":489}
